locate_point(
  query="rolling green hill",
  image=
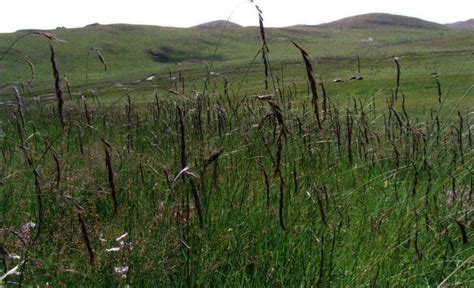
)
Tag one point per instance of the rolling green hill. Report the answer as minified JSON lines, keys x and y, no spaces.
{"x":219,"y":24}
{"x":135,"y":51}
{"x":468,"y":24}
{"x":383,"y":20}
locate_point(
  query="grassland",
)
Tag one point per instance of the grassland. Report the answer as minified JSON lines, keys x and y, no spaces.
{"x":211,"y":179}
{"x":127,"y":48}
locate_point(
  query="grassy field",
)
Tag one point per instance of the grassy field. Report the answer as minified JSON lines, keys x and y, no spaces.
{"x":212,"y":179}
{"x":127,"y":48}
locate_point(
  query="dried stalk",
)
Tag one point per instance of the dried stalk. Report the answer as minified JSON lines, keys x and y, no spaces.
{"x":57,"y":85}
{"x":312,"y":83}
{"x":194,"y":190}
{"x":85,"y":235}
{"x":110,"y":173}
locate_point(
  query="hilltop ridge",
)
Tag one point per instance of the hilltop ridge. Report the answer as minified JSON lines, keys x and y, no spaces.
{"x":218,"y":24}
{"x":468,"y":24}
{"x":382,"y":20}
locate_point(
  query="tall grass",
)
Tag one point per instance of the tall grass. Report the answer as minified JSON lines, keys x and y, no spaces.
{"x":374,"y":196}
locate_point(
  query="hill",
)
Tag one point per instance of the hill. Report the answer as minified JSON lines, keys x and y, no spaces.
{"x":468,"y":24}
{"x":219,"y":24}
{"x":382,"y":20}
{"x":134,"y":51}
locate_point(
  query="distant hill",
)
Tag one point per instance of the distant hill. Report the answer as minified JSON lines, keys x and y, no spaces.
{"x":469,"y":24}
{"x":219,"y":24}
{"x":134,"y":51}
{"x":92,"y":25}
{"x":382,"y":20}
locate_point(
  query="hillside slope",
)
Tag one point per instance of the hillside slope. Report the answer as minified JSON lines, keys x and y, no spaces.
{"x":219,"y":24}
{"x":136,"y":50}
{"x":468,"y":24}
{"x":382,"y":20}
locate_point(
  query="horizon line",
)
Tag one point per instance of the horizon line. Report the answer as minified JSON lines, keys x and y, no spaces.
{"x":217,"y":20}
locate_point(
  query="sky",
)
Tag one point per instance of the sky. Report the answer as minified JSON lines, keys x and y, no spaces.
{"x":49,"y":14}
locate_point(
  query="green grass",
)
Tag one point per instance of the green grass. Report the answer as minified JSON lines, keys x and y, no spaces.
{"x":125,"y":48}
{"x":370,"y":207}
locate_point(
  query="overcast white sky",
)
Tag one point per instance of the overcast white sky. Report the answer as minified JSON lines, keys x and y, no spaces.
{"x":49,"y":14}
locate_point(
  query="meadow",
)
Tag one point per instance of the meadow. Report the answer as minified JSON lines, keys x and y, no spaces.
{"x":244,"y":165}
